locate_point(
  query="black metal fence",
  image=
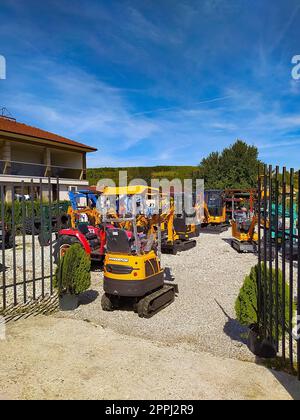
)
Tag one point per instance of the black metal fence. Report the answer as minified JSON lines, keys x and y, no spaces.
{"x":31,"y":214}
{"x":279,"y":260}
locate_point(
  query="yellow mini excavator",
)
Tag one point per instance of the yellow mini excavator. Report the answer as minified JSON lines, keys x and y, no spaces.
{"x":178,"y":232}
{"x":132,"y":266}
{"x":244,"y":237}
{"x":215,"y":218}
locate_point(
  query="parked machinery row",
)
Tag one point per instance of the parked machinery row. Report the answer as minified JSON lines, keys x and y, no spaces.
{"x":127,"y":228}
{"x":223,"y":208}
{"x":86,"y":227}
{"x":275,"y":221}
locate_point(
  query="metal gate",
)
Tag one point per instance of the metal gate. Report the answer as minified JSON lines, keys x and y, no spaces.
{"x":279,"y":259}
{"x":31,"y":214}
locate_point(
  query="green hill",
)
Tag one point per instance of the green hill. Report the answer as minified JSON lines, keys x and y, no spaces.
{"x":143,"y":172}
{"x":234,"y":167}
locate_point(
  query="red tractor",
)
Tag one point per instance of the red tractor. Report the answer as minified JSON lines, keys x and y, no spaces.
{"x":86,"y":228}
{"x":91,"y":238}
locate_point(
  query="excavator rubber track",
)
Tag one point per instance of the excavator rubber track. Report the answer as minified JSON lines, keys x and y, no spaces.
{"x":243,"y":247}
{"x":215,"y":229}
{"x":156,"y":301}
{"x":178,"y":246}
{"x":188,"y":244}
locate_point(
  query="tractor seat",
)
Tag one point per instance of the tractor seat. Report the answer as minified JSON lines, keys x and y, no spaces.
{"x":83,"y":229}
{"x":90,"y":236}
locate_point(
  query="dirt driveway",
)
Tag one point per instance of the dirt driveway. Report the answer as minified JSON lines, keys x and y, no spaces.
{"x":48,"y":358}
{"x":190,"y":350}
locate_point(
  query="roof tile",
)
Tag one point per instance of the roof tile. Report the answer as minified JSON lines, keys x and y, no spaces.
{"x":12,"y":126}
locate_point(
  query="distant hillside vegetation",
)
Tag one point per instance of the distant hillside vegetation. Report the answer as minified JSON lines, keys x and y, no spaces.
{"x":146,"y":173}
{"x":234,"y":167}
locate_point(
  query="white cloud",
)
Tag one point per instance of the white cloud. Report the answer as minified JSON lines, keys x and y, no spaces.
{"x":78,"y":105}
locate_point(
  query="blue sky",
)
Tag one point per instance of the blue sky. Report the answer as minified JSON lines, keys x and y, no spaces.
{"x":153,"y":82}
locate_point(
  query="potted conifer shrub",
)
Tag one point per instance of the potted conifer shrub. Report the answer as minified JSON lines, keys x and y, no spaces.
{"x":247,"y":312}
{"x":72,"y":277}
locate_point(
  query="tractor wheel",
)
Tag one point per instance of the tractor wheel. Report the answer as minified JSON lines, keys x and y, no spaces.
{"x":36,"y":227}
{"x":62,"y":245}
{"x":106,"y":303}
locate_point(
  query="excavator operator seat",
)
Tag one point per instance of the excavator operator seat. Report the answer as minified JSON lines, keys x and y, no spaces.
{"x":117,"y":242}
{"x":180,"y":224}
{"x":245,"y":226}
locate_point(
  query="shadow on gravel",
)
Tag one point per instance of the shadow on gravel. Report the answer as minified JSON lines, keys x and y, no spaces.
{"x":227,"y":240}
{"x":3,"y":268}
{"x":238,"y":333}
{"x":41,"y":306}
{"x":290,"y":383}
{"x":88,"y":297}
{"x":233,"y":328}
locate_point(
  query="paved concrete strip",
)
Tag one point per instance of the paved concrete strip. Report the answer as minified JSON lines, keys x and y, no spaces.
{"x":63,"y":358}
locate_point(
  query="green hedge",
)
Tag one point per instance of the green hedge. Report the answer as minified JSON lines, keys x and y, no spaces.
{"x":246,"y":304}
{"x":31,"y":209}
{"x":8,"y":208}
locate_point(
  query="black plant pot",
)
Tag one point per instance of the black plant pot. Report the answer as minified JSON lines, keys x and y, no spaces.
{"x":262,"y":348}
{"x":68,"y":302}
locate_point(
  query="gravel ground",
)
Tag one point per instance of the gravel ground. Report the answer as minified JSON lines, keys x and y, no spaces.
{"x":48,"y":358}
{"x":30,"y":270}
{"x":197,"y":332}
{"x":202,"y":317}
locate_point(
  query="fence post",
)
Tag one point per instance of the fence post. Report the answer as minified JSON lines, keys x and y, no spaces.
{"x":276,"y":259}
{"x":33,"y":238}
{"x":13,"y":232}
{"x":259,"y":250}
{"x":50,"y":233}
{"x":291,"y":269}
{"x":270,"y":254}
{"x":24,"y":242}
{"x":283,"y":261}
{"x":298,"y":279}
{"x":3,"y":245}
{"x":42,"y":233}
{"x":265,"y":285}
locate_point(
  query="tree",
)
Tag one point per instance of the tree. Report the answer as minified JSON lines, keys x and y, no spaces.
{"x":235,"y":167}
{"x":73,"y":272}
{"x":210,"y":168}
